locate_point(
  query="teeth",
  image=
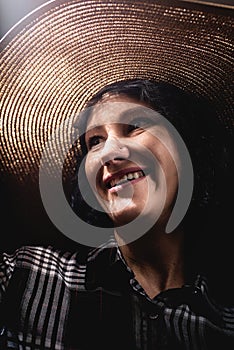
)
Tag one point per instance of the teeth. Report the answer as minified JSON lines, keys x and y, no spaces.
{"x":125,"y":178}
{"x":136,"y":175}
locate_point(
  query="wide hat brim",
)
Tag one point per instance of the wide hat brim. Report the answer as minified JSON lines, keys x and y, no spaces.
{"x":55,"y":59}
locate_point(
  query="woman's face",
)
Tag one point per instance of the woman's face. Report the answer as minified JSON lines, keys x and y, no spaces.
{"x":130,"y":164}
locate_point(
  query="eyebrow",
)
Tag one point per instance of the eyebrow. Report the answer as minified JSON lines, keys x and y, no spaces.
{"x":129,"y":114}
{"x":94,"y":126}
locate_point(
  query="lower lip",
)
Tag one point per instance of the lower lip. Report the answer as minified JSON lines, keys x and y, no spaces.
{"x":121,"y":187}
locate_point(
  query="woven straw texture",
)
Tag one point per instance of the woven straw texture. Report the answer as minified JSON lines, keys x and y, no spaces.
{"x":60,"y":55}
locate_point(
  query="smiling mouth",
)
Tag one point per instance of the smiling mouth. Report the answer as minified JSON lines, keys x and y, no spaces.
{"x":124,"y":179}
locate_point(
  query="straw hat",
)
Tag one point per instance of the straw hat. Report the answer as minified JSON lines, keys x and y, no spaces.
{"x":56,"y":58}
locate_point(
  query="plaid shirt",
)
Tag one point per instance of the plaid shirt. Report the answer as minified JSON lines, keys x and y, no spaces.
{"x":50,"y":300}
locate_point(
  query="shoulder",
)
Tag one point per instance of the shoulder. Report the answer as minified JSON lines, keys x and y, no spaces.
{"x":65,"y":265}
{"x":27,"y":255}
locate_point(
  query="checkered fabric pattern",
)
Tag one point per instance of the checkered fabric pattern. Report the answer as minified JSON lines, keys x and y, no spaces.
{"x":50,"y":300}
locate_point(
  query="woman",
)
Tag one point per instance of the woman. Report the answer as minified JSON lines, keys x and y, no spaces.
{"x":211,"y":160}
{"x":148,"y":291}
{"x":151,"y":285}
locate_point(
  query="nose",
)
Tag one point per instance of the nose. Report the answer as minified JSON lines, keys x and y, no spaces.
{"x":114,"y":150}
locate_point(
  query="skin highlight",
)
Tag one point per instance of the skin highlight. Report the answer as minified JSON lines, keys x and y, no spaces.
{"x":156,"y":258}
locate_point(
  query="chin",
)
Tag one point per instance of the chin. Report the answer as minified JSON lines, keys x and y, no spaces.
{"x":124,"y":217}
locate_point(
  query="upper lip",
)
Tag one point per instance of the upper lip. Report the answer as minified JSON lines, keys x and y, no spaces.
{"x":120,"y":173}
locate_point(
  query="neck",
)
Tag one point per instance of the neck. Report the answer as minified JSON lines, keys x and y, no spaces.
{"x":156,"y":259}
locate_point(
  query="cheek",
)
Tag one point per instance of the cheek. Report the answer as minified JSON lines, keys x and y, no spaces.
{"x":92,"y":171}
{"x":169,"y":167}
{"x":167,"y":156}
{"x":168,"y":162}
{"x":172,"y":180}
{"x":89,"y":170}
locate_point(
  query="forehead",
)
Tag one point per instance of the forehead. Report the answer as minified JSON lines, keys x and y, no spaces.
{"x":117,"y":110}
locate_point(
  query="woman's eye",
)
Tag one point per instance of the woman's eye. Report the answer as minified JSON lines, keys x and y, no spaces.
{"x":94,"y":141}
{"x":138,"y":123}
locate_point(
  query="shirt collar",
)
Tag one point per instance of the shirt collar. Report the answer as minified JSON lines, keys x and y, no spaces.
{"x":107,"y":269}
{"x":106,"y":263}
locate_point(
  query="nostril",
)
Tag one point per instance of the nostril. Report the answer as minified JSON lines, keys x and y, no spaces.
{"x":114,"y":160}
{"x":119,"y":158}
